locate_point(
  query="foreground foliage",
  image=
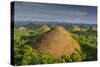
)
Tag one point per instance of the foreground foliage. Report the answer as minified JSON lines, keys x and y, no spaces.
{"x":25,"y":54}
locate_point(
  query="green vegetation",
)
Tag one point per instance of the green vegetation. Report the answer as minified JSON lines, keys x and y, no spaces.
{"x":24,"y":37}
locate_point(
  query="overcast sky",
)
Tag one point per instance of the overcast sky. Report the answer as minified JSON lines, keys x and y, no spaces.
{"x":55,"y":13}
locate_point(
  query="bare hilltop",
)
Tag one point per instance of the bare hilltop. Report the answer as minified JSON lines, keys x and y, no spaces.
{"x":57,"y":42}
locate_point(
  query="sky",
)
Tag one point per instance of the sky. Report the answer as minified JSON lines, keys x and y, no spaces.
{"x":44,"y":12}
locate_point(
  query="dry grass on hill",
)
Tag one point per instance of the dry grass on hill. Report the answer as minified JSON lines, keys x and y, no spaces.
{"x":56,"y":42}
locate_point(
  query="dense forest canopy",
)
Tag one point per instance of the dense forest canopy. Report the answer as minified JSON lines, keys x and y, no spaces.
{"x":26,"y":35}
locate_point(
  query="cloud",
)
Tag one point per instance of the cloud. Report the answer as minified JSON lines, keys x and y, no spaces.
{"x":48,"y":12}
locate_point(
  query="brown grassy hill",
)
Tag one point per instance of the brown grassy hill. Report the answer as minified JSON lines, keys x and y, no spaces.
{"x":56,"y":42}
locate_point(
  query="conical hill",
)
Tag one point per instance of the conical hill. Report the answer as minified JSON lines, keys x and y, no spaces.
{"x":57,"y":42}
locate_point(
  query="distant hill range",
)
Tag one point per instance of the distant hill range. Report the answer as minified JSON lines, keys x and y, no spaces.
{"x":64,"y":24}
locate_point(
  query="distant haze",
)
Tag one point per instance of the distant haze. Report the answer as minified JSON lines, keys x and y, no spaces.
{"x":42,"y":12}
